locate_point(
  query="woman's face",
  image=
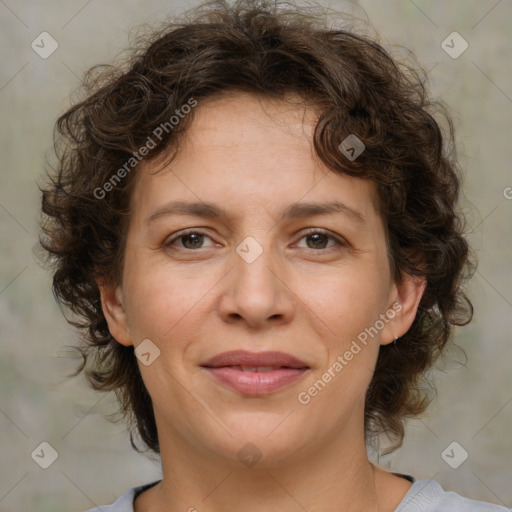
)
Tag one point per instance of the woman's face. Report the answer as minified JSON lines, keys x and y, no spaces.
{"x":315,"y":286}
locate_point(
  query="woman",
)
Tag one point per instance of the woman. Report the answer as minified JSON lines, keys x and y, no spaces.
{"x":256,"y":222}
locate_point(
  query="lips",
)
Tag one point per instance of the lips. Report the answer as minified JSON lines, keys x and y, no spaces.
{"x":243,"y":358}
{"x":255,"y":373}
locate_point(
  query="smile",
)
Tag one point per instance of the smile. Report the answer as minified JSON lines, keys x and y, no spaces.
{"x":256,"y":380}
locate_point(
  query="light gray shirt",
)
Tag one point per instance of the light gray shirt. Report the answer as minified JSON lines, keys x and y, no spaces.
{"x":423,"y":496}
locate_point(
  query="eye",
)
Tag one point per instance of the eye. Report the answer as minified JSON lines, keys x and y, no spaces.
{"x":191,"y":239}
{"x":318,"y":239}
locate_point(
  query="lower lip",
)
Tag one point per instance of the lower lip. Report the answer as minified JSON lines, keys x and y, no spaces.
{"x":256,"y":383}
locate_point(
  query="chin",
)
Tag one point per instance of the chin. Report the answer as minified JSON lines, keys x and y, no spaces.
{"x":260,"y":441}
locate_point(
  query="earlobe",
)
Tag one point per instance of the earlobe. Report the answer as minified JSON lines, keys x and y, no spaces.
{"x":407,"y":296}
{"x":112,"y":304}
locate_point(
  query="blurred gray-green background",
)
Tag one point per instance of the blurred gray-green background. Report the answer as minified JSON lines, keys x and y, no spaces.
{"x":38,"y":403}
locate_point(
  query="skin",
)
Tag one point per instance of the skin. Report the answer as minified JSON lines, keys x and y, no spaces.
{"x":254,"y":157}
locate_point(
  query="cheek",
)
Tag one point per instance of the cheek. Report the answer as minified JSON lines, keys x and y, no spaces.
{"x":346,"y":306}
{"x":161,"y":297}
{"x":347,"y":300}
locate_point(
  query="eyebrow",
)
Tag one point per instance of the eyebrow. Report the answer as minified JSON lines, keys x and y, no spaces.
{"x":293,"y":211}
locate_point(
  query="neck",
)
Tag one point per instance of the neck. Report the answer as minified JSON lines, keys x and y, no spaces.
{"x":333,"y":475}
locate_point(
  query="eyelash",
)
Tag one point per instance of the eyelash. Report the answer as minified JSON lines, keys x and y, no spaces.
{"x":183,"y":234}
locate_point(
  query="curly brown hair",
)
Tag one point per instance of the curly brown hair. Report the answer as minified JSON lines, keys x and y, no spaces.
{"x":264,"y":48}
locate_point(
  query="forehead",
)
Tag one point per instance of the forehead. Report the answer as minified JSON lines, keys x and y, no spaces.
{"x":248,"y":151}
{"x":240,"y":126}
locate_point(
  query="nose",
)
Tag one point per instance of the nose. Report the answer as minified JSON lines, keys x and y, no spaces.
{"x":257,"y":292}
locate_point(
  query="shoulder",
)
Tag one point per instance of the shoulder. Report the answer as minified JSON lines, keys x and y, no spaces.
{"x":429,"y":496}
{"x":125,"y":502}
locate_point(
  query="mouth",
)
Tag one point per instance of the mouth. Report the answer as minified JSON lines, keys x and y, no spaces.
{"x":255,"y":373}
{"x":255,"y":368}
{"x":246,"y":359}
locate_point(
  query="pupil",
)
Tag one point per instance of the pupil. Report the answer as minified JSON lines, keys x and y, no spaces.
{"x":194,"y":237}
{"x":315,"y":236}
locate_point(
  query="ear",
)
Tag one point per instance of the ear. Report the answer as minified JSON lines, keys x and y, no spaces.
{"x":405,"y":299}
{"x":113,"y":309}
